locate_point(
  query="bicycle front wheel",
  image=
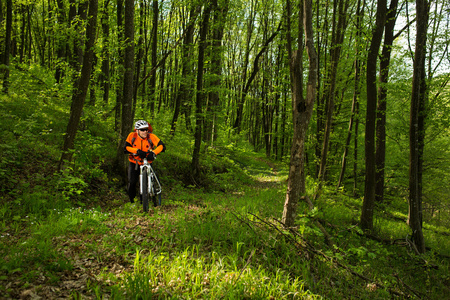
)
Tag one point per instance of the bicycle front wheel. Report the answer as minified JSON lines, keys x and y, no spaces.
{"x":145,"y":190}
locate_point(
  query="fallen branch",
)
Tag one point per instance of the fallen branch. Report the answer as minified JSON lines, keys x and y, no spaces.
{"x":305,"y":245}
{"x":418,"y":294}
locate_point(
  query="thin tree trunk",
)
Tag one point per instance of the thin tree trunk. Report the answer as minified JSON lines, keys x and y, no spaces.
{"x":356,"y":92}
{"x":322,"y":43}
{"x":355,"y":153}
{"x":249,"y":33}
{"x":82,"y":86}
{"x":152,"y":83}
{"x":184,"y":90}
{"x":240,"y":108}
{"x":104,"y":78}
{"x":120,"y":71}
{"x":382,"y":105}
{"x":336,"y":46}
{"x":1,"y":16}
{"x":416,"y":133}
{"x":218,"y":27}
{"x":22,"y":33}
{"x":140,"y":55}
{"x":77,"y":48}
{"x":128,"y":86}
{"x":7,"y":51}
{"x":61,"y":42}
{"x":369,"y":145}
{"x":200,"y":91}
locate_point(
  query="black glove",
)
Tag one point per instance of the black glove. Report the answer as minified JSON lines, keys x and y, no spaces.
{"x":141,"y":154}
{"x":151,"y":155}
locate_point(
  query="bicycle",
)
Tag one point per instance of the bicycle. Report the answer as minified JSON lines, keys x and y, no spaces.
{"x":149,"y":186}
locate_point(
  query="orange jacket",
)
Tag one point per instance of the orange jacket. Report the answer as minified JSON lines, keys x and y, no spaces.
{"x":135,"y":142}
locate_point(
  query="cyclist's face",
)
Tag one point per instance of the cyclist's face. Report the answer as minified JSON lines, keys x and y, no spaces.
{"x":143,"y":133}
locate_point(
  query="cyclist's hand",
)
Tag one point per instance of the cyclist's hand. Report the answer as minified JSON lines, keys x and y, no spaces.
{"x":151,"y":155}
{"x":141,"y":154}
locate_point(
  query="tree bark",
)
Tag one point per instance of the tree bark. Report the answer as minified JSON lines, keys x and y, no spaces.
{"x":302,"y":112}
{"x":120,"y":72}
{"x":249,"y":33}
{"x":369,"y":144}
{"x":200,"y":92}
{"x":218,"y":27}
{"x":1,"y":15}
{"x":240,"y":108}
{"x":77,"y":59}
{"x":140,"y":55}
{"x":7,"y":50}
{"x":104,"y":78}
{"x":61,"y":42}
{"x":380,"y":157}
{"x":336,"y":46}
{"x":356,"y":92}
{"x":82,"y":85}
{"x":184,"y":91}
{"x":416,"y":133}
{"x":127,"y":100}
{"x":152,"y":82}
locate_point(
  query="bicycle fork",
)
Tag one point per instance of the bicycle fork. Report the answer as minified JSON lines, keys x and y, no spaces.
{"x":151,"y":180}
{"x":141,"y":180}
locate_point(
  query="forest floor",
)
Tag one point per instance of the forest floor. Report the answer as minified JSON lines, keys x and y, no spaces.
{"x":83,"y":263}
{"x":96,"y":252}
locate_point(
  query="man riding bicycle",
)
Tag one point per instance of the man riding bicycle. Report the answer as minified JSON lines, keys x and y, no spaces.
{"x":140,"y":144}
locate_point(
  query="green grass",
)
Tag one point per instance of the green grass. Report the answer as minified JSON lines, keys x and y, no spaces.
{"x":73,"y":235}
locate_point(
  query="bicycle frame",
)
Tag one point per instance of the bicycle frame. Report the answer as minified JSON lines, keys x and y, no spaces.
{"x":149,"y":186}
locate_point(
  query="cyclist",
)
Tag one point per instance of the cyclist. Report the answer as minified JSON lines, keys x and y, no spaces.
{"x":140,"y":144}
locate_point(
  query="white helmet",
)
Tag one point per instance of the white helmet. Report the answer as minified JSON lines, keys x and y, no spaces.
{"x":141,"y":124}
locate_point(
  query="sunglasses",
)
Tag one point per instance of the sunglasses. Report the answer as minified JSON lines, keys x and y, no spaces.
{"x":143,"y":129}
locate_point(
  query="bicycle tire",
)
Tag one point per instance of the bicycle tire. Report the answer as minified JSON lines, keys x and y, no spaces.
{"x":154,"y":199}
{"x":145,"y":190}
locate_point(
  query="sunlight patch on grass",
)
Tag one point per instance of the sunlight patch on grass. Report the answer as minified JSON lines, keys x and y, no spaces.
{"x":213,"y":276}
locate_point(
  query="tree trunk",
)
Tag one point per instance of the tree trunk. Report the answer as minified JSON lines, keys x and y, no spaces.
{"x":7,"y":51}
{"x":218,"y":27}
{"x":77,"y":60}
{"x":336,"y":46}
{"x":416,"y":127}
{"x":381,"y":108}
{"x":240,"y":108}
{"x":22,"y":33}
{"x":120,"y":72}
{"x":1,"y":16}
{"x":127,"y":100}
{"x":322,"y":43}
{"x":105,"y":74}
{"x":152,"y":83}
{"x":140,"y":55}
{"x":200,"y":92}
{"x":82,"y":85}
{"x":61,"y":42}
{"x":356,"y":92}
{"x":240,"y":103}
{"x":184,"y":91}
{"x":302,"y":112}
{"x":369,"y":145}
